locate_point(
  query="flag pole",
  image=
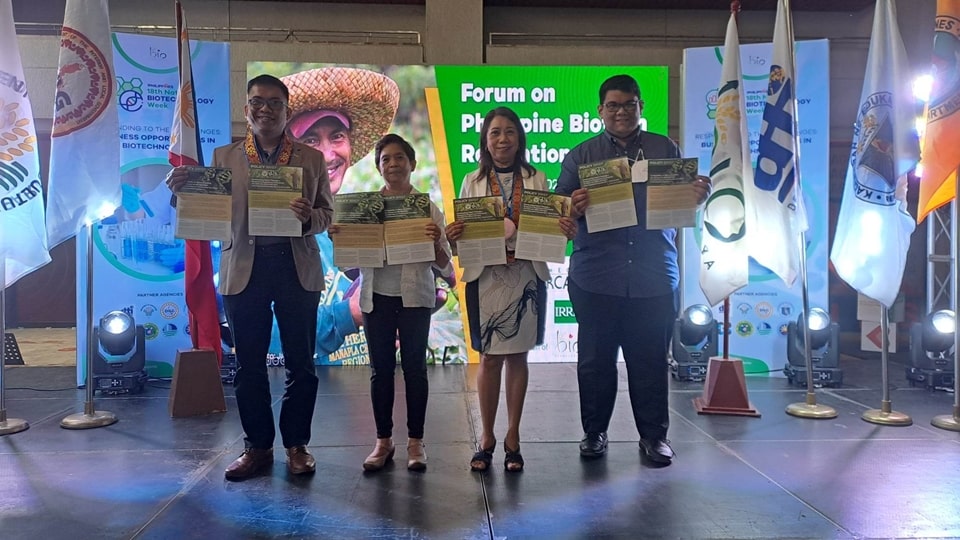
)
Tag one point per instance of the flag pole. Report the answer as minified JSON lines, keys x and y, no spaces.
{"x":810,"y":408}
{"x":726,"y":328}
{"x":885,"y":415}
{"x":90,"y":417}
{"x":735,"y":9}
{"x":8,"y":426}
{"x":951,"y":422}
{"x":725,"y":386}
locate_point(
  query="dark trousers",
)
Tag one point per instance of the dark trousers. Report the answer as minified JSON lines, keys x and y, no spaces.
{"x":388,"y":320}
{"x":642,"y":328}
{"x":274,"y":281}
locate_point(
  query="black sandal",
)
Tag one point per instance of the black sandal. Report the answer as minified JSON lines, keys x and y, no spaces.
{"x":513,"y":457}
{"x":484,"y":456}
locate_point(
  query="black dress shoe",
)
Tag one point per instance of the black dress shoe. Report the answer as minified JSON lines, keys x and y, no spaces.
{"x":657,"y":450}
{"x":594,"y":444}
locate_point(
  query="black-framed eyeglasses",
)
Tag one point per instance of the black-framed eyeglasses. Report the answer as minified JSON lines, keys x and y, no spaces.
{"x":629,"y":106}
{"x":274,"y":103}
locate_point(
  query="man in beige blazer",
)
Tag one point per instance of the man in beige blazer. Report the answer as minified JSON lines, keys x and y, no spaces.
{"x":263,"y":276}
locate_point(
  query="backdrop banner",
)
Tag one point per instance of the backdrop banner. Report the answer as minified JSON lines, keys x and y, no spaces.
{"x":440,"y":110}
{"x":137,"y":263}
{"x":762,"y":310}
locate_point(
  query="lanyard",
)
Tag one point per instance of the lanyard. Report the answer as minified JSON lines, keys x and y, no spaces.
{"x":638,"y":157}
{"x":253,"y":151}
{"x":512,"y":203}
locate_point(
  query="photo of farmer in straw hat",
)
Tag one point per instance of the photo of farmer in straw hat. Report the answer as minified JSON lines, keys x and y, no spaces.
{"x":342,"y":110}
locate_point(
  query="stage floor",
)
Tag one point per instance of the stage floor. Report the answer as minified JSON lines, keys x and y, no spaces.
{"x":150,"y":476}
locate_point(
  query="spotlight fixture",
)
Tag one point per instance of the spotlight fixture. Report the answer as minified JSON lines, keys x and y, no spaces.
{"x":119,"y":364}
{"x":824,"y":351}
{"x":931,"y":351}
{"x":694,"y":342}
{"x":228,"y":365}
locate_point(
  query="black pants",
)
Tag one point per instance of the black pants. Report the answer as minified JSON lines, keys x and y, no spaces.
{"x":642,"y":328}
{"x":388,"y":320}
{"x":274,"y":281}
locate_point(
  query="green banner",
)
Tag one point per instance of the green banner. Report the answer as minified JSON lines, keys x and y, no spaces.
{"x":556,"y":104}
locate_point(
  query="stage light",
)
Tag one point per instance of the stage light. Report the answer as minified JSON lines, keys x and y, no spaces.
{"x":824,"y":350}
{"x":117,"y":336}
{"x":819,"y":324}
{"x":920,"y":126}
{"x":694,"y":342}
{"x":923,"y":87}
{"x":228,"y":363}
{"x":931,"y":351}
{"x":938,"y":331}
{"x":119,"y":363}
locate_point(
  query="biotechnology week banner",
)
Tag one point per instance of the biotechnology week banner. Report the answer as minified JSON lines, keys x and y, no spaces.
{"x":761,"y":311}
{"x":137,"y":263}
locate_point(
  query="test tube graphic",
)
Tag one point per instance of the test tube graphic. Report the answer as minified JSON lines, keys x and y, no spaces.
{"x":141,"y":247}
{"x":126,"y":240}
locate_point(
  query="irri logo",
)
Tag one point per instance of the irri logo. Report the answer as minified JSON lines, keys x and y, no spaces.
{"x":563,"y":312}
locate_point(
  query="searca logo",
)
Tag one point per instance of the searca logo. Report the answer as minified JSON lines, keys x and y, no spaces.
{"x":711,"y":98}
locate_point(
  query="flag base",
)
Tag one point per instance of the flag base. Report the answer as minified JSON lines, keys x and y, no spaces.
{"x":886,"y":417}
{"x":88,"y":420}
{"x":9,"y":426}
{"x":725,"y":390}
{"x":949,"y":422}
{"x":196,"y":388}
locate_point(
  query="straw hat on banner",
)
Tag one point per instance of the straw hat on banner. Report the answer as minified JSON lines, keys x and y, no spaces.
{"x":364,"y":101}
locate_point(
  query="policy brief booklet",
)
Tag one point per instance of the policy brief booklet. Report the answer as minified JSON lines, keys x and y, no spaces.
{"x":482,"y":240}
{"x":205,"y":204}
{"x":359,"y":242}
{"x":268,"y":204}
{"x":539,"y":237}
{"x":611,"y":194}
{"x":405,"y":220}
{"x":671,"y":201}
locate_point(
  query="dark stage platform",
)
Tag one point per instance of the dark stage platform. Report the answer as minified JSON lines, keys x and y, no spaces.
{"x":150,"y":476}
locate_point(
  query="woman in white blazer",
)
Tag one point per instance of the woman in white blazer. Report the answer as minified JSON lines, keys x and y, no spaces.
{"x":506,"y":303}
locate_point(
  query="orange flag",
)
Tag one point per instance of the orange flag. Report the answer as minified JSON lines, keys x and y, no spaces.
{"x":940,"y":148}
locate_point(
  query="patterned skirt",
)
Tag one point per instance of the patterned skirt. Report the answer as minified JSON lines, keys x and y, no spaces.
{"x":506,"y":309}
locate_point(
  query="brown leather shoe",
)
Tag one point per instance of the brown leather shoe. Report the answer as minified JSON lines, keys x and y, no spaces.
{"x":250,"y":462}
{"x":299,"y":460}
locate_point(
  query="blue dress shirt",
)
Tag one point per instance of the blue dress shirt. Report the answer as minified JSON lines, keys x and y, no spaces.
{"x":631,"y":262}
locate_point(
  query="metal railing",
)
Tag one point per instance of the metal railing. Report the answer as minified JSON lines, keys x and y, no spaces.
{"x":276,"y":35}
{"x":528,"y":38}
